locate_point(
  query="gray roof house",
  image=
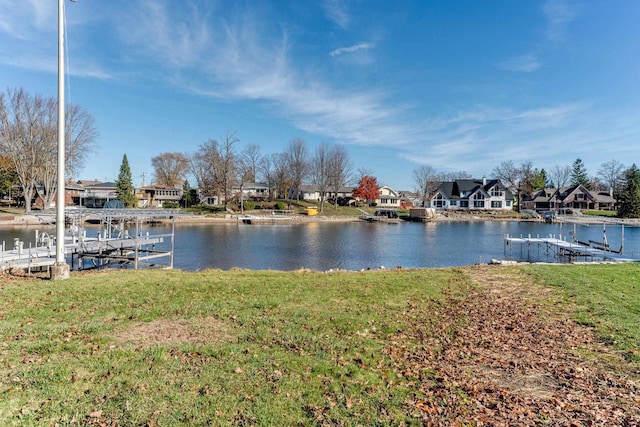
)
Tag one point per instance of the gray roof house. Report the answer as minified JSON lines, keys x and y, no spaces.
{"x":312,"y":192}
{"x":472,"y":194}
{"x":98,"y":193}
{"x":573,"y":197}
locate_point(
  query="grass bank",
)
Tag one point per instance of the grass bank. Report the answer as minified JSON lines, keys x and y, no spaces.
{"x":169,"y":348}
{"x":606,"y":297}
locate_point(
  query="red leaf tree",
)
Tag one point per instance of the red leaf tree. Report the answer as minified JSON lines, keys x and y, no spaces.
{"x":368,"y":189}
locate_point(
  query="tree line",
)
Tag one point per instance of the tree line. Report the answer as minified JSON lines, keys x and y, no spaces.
{"x":28,"y":157}
{"x":217,"y":167}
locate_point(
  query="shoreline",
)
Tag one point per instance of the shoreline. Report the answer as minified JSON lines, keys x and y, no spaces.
{"x":194,"y":219}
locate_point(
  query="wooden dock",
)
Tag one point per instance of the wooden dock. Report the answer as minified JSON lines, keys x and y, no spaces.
{"x":381,"y":215}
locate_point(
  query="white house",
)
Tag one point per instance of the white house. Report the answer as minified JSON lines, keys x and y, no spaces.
{"x":389,"y":198}
{"x":472,"y":194}
{"x":252,"y":191}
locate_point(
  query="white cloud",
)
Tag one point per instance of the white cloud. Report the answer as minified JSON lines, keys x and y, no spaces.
{"x":479,"y":139}
{"x":30,"y":39}
{"x":241,"y":59}
{"x":350,"y":49}
{"x":337,"y":12}
{"x":559,"y":14}
{"x":524,"y":63}
{"x":153,"y":28}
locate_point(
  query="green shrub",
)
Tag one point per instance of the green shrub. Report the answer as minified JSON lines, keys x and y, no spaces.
{"x":280,"y":206}
{"x":170,"y":205}
{"x":249,"y":206}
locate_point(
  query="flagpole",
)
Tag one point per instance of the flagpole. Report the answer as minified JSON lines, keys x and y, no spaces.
{"x":60,"y":270}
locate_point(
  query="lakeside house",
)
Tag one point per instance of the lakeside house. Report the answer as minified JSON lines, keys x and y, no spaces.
{"x":576,"y":197}
{"x":156,"y":195}
{"x":408,"y":199}
{"x":312,"y":193}
{"x":255,"y":191}
{"x":472,"y":194}
{"x":388,"y":198}
{"x":97,"y":193}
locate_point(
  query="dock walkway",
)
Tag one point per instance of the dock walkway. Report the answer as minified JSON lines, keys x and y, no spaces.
{"x":119,"y":241}
{"x":561,"y":249}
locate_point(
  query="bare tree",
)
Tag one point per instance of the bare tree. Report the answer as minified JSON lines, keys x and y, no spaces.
{"x":511,"y":176}
{"x":202,"y":165}
{"x":298,"y":160}
{"x":319,"y":168}
{"x":560,"y":176}
{"x":170,"y":168}
{"x":452,"y":176}
{"x":266,"y":169}
{"x":243,"y":175}
{"x":28,"y":137}
{"x":282,"y":181}
{"x":251,"y":158}
{"x":80,"y":134}
{"x":361,"y":173}
{"x":247,"y":166}
{"x":527,"y":176}
{"x":339,"y":170}
{"x":612,"y":175}
{"x":226,"y":169}
{"x":427,"y":181}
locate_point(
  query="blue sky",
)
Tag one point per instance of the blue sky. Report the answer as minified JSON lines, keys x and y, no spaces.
{"x":460,"y":85}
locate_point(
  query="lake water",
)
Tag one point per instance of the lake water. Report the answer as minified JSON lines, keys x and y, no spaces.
{"x":357,"y":245}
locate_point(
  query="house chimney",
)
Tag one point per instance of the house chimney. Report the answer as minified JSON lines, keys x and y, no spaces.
{"x":611,"y":191}
{"x":484,"y":180}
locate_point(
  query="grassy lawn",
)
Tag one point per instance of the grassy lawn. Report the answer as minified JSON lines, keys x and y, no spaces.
{"x":606,"y":297}
{"x":168,"y":348}
{"x":601,"y":213}
{"x":11,"y":210}
{"x":177,"y":348}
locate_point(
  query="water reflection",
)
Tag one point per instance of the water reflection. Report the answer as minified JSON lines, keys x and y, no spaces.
{"x":353,"y":246}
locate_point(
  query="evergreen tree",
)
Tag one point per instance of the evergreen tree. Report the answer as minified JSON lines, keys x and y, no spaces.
{"x":187,"y":199}
{"x":124,"y":184}
{"x":579,"y":174}
{"x":630,"y":199}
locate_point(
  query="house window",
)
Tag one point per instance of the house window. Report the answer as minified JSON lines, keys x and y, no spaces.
{"x":496,"y":204}
{"x":453,"y":203}
{"x":496,"y":192}
{"x":464,"y":203}
{"x":507,"y":203}
{"x":478,"y":204}
{"x":439,"y":201}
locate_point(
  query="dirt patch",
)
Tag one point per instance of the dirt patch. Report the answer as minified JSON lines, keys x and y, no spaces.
{"x":172,"y":332}
{"x":509,"y":354}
